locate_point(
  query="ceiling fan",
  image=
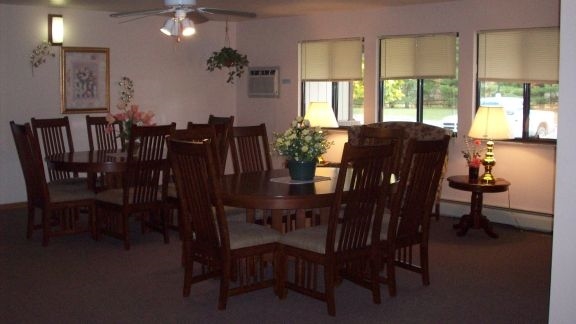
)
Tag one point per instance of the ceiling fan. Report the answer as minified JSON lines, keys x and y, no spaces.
{"x":185,"y":14}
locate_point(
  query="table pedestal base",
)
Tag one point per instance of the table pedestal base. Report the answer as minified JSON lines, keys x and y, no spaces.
{"x":467,"y":222}
{"x":475,"y":219}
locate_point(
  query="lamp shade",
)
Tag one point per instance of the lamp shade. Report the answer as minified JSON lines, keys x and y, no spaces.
{"x":320,"y":114}
{"x":490,"y":123}
{"x":170,"y":27}
{"x":188,"y":27}
{"x":55,"y":29}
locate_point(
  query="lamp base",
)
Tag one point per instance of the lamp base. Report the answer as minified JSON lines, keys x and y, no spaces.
{"x":488,"y":162}
{"x":487,"y":178}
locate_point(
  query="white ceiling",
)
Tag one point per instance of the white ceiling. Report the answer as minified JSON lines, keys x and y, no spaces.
{"x":263,"y":8}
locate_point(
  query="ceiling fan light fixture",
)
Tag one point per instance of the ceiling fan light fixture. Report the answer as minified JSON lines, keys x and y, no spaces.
{"x":188,"y":27}
{"x":169,"y":27}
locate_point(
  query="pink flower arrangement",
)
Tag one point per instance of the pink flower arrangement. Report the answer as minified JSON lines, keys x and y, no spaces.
{"x":473,"y":152}
{"x":128,"y":117}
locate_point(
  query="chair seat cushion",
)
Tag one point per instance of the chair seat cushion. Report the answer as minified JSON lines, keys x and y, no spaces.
{"x":246,"y":234}
{"x":61,"y":191}
{"x":310,"y":238}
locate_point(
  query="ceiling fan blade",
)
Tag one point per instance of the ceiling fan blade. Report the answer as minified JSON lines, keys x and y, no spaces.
{"x":197,"y":18}
{"x":141,"y":13}
{"x":215,"y":11}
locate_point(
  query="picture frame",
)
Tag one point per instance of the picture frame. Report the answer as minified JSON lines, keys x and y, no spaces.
{"x":85,"y":79}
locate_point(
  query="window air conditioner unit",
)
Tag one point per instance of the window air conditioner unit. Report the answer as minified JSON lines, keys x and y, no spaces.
{"x":263,"y":82}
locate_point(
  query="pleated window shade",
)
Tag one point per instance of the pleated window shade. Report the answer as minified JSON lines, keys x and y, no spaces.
{"x":523,"y":55}
{"x":418,"y":57}
{"x":332,"y":60}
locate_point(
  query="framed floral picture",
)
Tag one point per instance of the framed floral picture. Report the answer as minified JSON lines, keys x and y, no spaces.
{"x":85,"y":79}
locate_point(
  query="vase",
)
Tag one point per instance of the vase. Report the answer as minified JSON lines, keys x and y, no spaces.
{"x":473,"y":173}
{"x":302,"y":170}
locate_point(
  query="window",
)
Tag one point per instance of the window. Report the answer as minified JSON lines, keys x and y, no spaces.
{"x":331,"y":71}
{"x":418,"y":79}
{"x":518,"y":70}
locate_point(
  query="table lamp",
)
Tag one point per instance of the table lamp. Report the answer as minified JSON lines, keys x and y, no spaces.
{"x":320,"y":114}
{"x":490,"y":123}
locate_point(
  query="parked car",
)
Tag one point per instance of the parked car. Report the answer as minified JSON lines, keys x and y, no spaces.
{"x":543,"y":123}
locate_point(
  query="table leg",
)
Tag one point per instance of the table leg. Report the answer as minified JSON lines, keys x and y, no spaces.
{"x":475,"y":219}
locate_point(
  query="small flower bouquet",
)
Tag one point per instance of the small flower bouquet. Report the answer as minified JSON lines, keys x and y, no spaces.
{"x":128,"y":117}
{"x":301,"y":142}
{"x":129,"y":114}
{"x":473,"y":152}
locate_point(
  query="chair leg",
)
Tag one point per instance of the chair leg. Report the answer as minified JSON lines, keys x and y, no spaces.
{"x":437,"y":211}
{"x":125,"y":231}
{"x":46,"y":218}
{"x":165,"y":215}
{"x":329,"y":288}
{"x":375,"y":285}
{"x":188,"y":273}
{"x":30,"y":227}
{"x":280,"y":265}
{"x":424,"y":264}
{"x":391,"y":275}
{"x":224,"y":285}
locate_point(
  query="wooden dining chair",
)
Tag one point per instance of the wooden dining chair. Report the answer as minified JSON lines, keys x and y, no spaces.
{"x":63,"y":204}
{"x":223,"y":132}
{"x":408,"y":225}
{"x":373,"y":135}
{"x":144,"y":188}
{"x":251,"y":152}
{"x":102,"y":135}
{"x":55,"y":137}
{"x":193,"y":133}
{"x":236,"y":252}
{"x":343,"y":247}
{"x":250,"y":149}
{"x":224,"y":127}
{"x":412,"y":130}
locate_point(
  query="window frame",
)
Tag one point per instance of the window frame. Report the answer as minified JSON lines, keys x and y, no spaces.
{"x":419,"y":81}
{"x":526,"y":90}
{"x":334,"y":87}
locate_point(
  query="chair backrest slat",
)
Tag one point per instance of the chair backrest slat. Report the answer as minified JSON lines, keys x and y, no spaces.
{"x":250,"y":149}
{"x":55,"y":137}
{"x":103,"y":136}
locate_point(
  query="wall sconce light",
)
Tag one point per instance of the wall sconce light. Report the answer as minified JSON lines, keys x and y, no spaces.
{"x":55,"y":29}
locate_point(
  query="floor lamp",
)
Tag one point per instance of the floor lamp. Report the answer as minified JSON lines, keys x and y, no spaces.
{"x":489,"y":124}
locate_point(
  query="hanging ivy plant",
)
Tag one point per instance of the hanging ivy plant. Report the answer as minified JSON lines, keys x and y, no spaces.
{"x":228,"y":58}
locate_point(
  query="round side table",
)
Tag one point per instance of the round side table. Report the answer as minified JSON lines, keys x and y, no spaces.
{"x":475,"y":219}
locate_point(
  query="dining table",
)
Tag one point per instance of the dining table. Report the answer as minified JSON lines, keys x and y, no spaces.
{"x":271,"y":190}
{"x":107,"y":162}
{"x":274,"y":190}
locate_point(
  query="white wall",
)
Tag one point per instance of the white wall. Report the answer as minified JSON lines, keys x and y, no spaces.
{"x":563,"y":285}
{"x":170,"y":79}
{"x":274,"y":42}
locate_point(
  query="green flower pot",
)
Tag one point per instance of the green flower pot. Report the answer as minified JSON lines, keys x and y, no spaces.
{"x":302,"y":170}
